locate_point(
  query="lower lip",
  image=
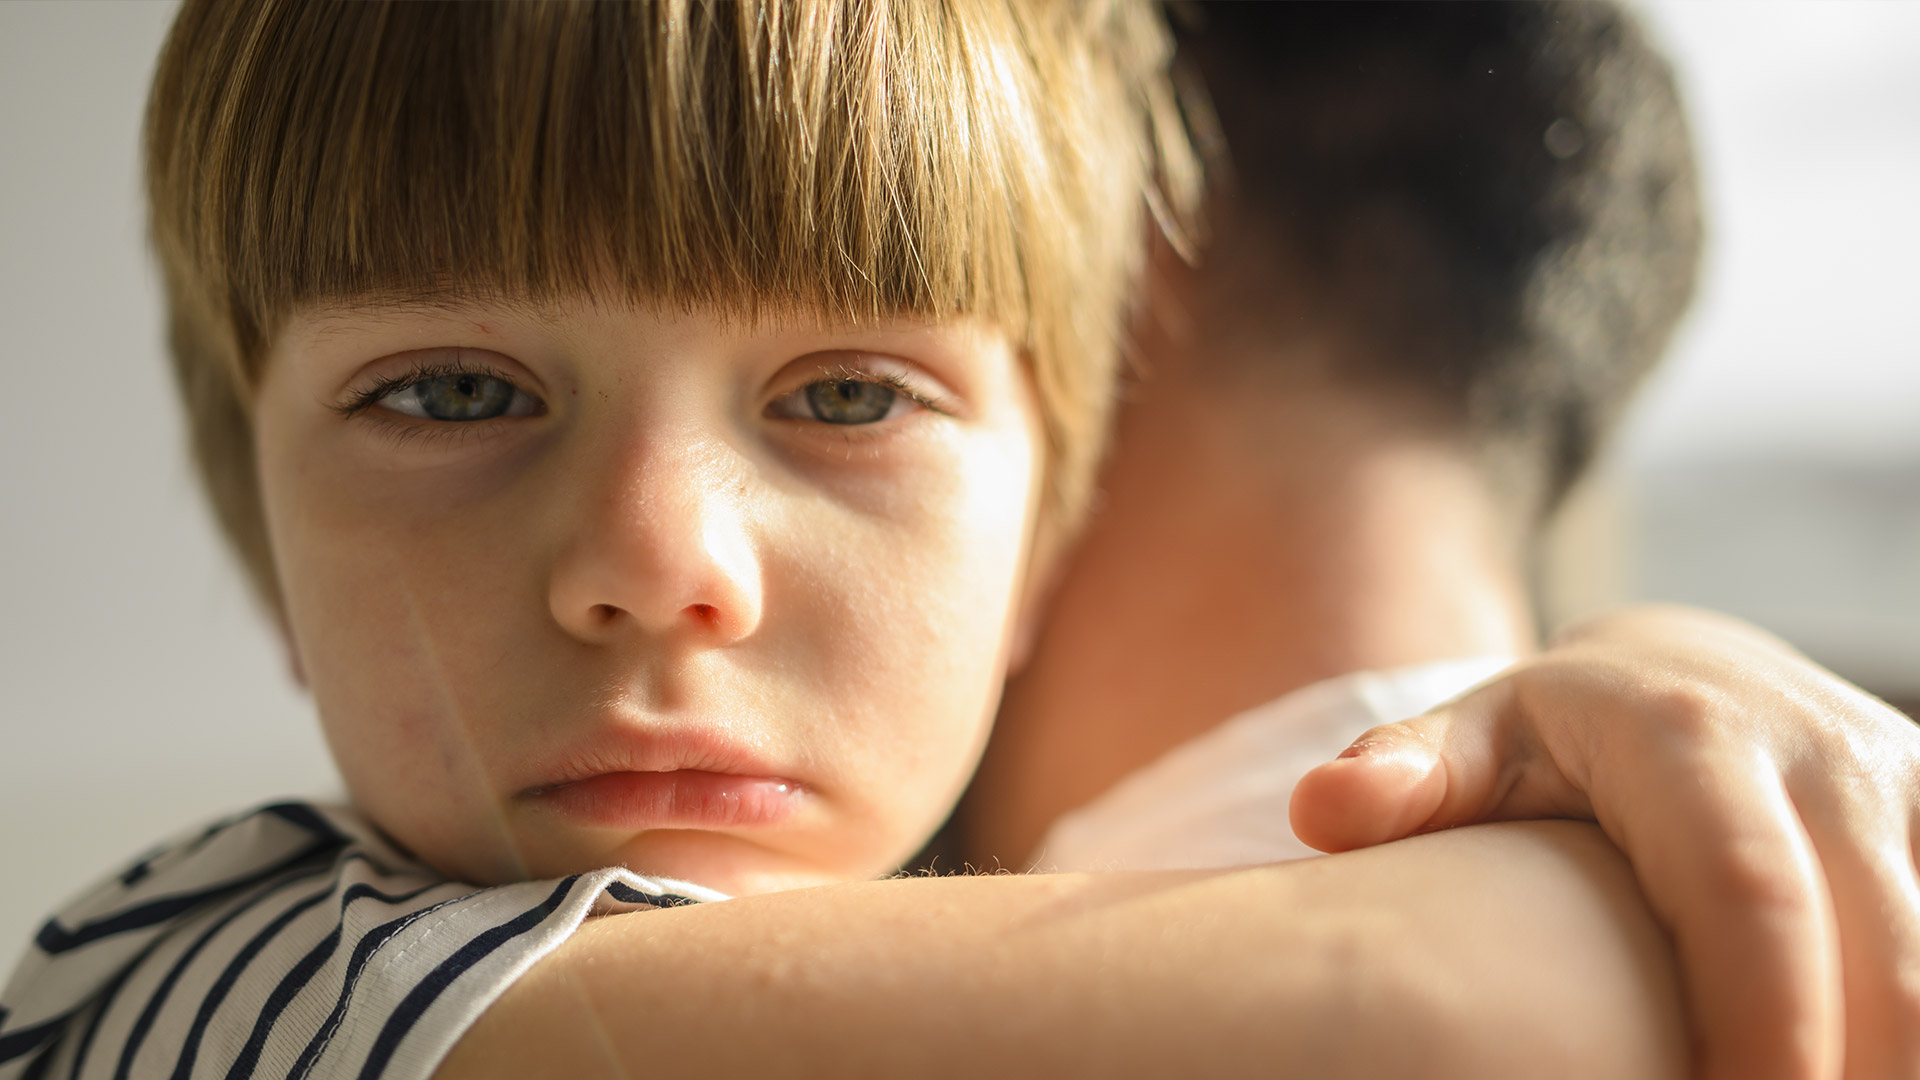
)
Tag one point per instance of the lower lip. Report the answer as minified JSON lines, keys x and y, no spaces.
{"x":681,"y":799}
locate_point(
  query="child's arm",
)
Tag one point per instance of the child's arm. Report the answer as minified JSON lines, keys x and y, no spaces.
{"x":1504,"y":951}
{"x":1768,"y":807}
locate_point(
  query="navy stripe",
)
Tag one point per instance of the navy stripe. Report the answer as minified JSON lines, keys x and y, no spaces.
{"x":627,"y":894}
{"x":313,"y":961}
{"x":93,"y":1026}
{"x":24,"y":1041}
{"x":190,"y":1047}
{"x":133,"y":874}
{"x":411,"y":1007}
{"x":277,"y":1003}
{"x":28,"y":1040}
{"x":37,"y":1068}
{"x":144,"y":1023}
{"x":306,"y":817}
{"x":54,"y":939}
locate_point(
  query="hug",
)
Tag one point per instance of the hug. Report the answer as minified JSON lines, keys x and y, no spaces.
{"x":662,"y":432}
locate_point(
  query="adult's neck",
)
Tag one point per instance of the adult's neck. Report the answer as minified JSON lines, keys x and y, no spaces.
{"x":1251,"y":540}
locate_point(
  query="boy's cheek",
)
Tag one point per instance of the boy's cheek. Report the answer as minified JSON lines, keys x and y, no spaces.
{"x":426,"y":793}
{"x":386,"y":627}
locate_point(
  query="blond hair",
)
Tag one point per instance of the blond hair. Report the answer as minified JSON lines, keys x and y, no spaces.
{"x":967,"y":157}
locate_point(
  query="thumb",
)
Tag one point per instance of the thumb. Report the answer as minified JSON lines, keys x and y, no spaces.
{"x":1452,"y":766}
{"x":1383,"y":787}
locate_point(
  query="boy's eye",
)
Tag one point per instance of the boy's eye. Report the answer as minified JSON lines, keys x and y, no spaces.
{"x":457,"y":397}
{"x":844,"y":401}
{"x":850,"y":401}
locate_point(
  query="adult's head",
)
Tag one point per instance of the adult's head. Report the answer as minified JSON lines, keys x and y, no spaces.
{"x":1488,"y":206}
{"x":1446,"y":242}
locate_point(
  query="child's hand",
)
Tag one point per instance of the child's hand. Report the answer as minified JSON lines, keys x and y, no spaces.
{"x":1768,"y":808}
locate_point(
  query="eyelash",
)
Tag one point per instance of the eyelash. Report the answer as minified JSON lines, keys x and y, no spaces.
{"x":361,"y":400}
{"x":889,"y":379}
{"x":364,"y":399}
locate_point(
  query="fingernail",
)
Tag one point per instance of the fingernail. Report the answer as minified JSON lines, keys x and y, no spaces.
{"x":1360,"y":746}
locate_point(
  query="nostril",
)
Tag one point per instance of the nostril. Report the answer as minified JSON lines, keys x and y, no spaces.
{"x":604,"y":613}
{"x":705,"y":613}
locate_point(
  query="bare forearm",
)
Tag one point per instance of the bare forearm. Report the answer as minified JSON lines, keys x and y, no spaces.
{"x":1512,"y":950}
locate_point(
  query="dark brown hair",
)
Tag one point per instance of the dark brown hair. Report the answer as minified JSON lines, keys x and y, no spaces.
{"x":1495,"y":201}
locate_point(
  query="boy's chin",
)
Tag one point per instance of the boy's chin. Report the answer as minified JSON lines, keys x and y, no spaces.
{"x":718,"y":861}
{"x":754,"y":883}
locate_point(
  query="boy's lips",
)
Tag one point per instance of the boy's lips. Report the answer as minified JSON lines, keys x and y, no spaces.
{"x":678,"y":799}
{"x":630,"y":780}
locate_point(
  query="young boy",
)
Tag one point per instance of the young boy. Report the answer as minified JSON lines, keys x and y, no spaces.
{"x":644,"y":422}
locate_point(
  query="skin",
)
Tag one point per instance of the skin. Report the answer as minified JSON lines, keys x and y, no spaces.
{"x":658,"y":558}
{"x":475,"y":611}
{"x":1265,"y":527}
{"x":467,"y":599}
{"x":1391,"y":465}
{"x":1316,"y":968}
{"x":1768,"y":809}
{"x":871,"y":923}
{"x":1252,"y":538}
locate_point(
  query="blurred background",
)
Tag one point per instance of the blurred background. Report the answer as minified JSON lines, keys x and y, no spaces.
{"x":1772,"y":469}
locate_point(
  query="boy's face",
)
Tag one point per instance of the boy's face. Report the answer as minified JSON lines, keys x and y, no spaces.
{"x":580,"y":585}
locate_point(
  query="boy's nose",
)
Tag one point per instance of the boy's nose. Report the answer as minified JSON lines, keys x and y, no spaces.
{"x":666,"y":548}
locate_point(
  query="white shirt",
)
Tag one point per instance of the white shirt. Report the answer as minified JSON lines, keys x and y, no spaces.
{"x":290,"y":941}
{"x":1220,"y":799}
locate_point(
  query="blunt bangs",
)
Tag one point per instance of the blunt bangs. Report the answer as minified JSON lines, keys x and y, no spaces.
{"x":859,"y":159}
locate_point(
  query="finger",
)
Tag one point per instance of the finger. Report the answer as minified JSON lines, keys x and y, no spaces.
{"x":1879,"y":943}
{"x":1382,"y":788}
{"x":1731,"y":870}
{"x":1864,"y":846}
{"x":1468,"y":761}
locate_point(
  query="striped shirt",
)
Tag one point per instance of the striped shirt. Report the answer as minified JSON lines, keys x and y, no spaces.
{"x":289,"y":941}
